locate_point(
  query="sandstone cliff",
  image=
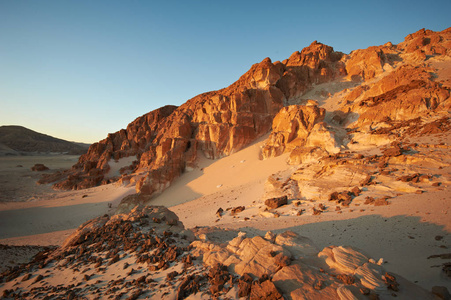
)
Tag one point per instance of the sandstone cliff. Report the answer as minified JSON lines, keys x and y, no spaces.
{"x":168,"y":140}
{"x":389,"y":83}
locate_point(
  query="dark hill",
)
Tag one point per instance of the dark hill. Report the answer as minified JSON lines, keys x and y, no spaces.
{"x":24,"y":140}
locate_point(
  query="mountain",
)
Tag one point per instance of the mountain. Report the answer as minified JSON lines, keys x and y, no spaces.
{"x":352,"y":150}
{"x":16,"y":140}
{"x":316,"y":104}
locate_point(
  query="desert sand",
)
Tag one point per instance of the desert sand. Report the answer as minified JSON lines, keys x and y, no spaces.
{"x":378,"y":183}
{"x":404,"y":234}
{"x":37,"y":215}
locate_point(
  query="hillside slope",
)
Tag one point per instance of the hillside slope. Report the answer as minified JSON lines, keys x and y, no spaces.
{"x":23,"y":140}
{"x":318,"y":98}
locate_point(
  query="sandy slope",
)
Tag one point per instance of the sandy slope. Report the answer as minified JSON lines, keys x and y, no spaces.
{"x":36,"y":214}
{"x":403,"y":233}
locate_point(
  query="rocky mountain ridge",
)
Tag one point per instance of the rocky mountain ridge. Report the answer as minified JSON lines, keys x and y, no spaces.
{"x":382,"y":86}
{"x":360,"y":131}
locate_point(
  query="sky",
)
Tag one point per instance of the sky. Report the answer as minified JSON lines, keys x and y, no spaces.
{"x":78,"y":70}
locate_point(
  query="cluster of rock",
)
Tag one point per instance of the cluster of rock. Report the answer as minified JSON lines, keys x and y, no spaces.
{"x":351,"y":181}
{"x":167,"y":141}
{"x":148,"y":253}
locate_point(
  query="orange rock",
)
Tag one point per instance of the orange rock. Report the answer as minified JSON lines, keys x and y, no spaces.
{"x":315,"y":64}
{"x":428,"y":43}
{"x":365,"y":64}
{"x":167,"y":141}
{"x":291,"y":127}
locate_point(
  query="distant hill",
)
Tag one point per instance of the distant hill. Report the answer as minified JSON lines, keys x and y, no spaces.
{"x":16,"y":140}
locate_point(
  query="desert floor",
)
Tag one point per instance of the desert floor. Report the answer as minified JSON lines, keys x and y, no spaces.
{"x":404,"y":233}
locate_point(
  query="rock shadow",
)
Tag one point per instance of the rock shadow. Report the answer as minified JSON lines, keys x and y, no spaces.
{"x":404,"y":243}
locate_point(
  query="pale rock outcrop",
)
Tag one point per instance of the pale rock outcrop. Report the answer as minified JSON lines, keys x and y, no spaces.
{"x":150,"y":245}
{"x":298,"y":281}
{"x":291,"y":128}
{"x":254,"y":256}
{"x":279,"y":188}
{"x":372,"y":276}
{"x":299,"y":271}
{"x":299,"y":246}
{"x":318,"y":181}
{"x":321,"y":137}
{"x":306,"y":155}
{"x":343,"y":259}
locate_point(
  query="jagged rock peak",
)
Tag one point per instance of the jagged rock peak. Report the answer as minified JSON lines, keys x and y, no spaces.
{"x":260,"y":75}
{"x":312,"y":55}
{"x":162,"y":144}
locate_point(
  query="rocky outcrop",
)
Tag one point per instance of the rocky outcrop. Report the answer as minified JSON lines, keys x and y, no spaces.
{"x":425,"y":43}
{"x":365,"y":64}
{"x":297,"y":127}
{"x":297,"y":269}
{"x":164,"y":143}
{"x":315,"y":64}
{"x":150,"y":254}
{"x":406,"y":94}
{"x":167,"y":141}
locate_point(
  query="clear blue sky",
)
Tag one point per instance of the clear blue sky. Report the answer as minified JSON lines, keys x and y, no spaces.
{"x":78,"y":70}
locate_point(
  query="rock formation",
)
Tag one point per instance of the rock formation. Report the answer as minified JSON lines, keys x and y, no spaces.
{"x":392,"y":88}
{"x":315,"y":64}
{"x":291,"y":128}
{"x":167,"y":141}
{"x":148,"y":253}
{"x":350,"y":147}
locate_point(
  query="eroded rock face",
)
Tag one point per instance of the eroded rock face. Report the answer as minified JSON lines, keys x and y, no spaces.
{"x":291,"y":128}
{"x":427,"y":42}
{"x":315,"y":64}
{"x":166,"y":141}
{"x":411,"y":98}
{"x":365,"y":64}
{"x":297,"y":128}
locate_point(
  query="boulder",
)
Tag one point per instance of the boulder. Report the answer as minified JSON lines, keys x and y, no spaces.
{"x":276,"y":202}
{"x":39,"y":168}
